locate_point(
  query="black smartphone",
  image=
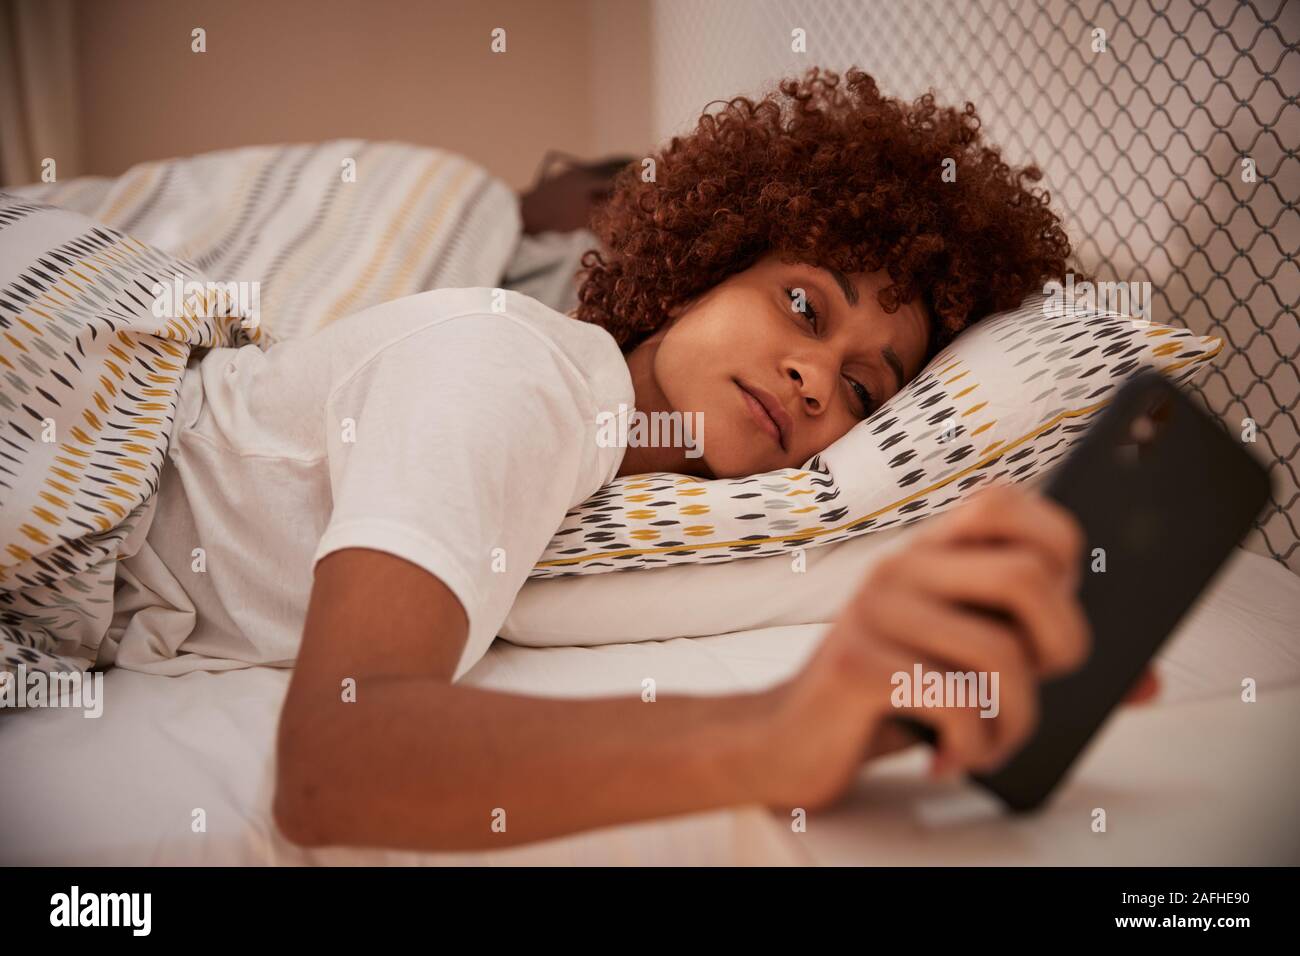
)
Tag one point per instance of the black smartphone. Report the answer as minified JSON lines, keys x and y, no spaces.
{"x":1163,"y":495}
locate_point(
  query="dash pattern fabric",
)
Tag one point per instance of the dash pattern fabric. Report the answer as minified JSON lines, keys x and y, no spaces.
{"x":90,"y":377}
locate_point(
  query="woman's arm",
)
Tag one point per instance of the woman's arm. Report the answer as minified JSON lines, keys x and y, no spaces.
{"x":417,"y":762}
{"x":420,"y":763}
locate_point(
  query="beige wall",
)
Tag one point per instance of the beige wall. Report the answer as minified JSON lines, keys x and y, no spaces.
{"x":575,"y":76}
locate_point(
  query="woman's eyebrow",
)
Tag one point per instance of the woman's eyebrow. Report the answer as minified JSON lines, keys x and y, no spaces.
{"x":847,"y":287}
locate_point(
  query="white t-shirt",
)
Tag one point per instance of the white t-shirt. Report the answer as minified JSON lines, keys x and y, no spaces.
{"x":431,"y":428}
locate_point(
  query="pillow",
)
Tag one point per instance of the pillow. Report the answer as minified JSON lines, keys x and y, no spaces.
{"x":1017,"y":388}
{"x":1006,"y":399}
{"x":693,"y":600}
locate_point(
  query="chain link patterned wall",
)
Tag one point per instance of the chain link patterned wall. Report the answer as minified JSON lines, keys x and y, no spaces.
{"x":1143,"y":146}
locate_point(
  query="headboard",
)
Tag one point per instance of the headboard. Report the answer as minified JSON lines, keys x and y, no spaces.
{"x":1147,"y":134}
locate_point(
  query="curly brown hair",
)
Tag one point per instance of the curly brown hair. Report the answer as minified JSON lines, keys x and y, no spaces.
{"x":832,"y":175}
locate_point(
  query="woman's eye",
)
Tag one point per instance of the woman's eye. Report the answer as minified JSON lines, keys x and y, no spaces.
{"x":864,"y":396}
{"x":799,"y":303}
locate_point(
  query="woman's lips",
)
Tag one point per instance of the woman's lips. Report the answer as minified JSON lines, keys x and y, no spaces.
{"x":765,"y":410}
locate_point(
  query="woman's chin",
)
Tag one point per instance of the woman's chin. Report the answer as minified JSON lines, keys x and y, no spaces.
{"x":722,"y":465}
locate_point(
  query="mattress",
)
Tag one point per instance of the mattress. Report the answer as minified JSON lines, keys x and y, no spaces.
{"x":1197,"y":776}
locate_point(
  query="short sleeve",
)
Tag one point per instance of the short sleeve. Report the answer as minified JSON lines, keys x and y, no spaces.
{"x":459,"y":447}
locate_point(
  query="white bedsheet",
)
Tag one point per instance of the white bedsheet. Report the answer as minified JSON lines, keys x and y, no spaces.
{"x":1208,"y":782}
{"x":166,"y":746}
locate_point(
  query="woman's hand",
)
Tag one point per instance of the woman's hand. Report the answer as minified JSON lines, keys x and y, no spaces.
{"x":1008,"y":550}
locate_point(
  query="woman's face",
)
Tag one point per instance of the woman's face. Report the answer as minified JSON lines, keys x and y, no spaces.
{"x":779,"y":360}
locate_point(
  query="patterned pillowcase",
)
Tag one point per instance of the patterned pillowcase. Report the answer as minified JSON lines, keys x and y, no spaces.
{"x":1006,"y":399}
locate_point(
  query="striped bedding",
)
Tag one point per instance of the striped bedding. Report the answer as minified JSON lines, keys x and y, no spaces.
{"x":321,"y":242}
{"x":90,"y":370}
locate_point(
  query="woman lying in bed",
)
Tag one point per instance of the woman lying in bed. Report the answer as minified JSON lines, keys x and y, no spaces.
{"x":782,"y":271}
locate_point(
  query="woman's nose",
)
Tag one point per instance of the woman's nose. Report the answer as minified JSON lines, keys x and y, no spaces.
{"x":807,"y":383}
